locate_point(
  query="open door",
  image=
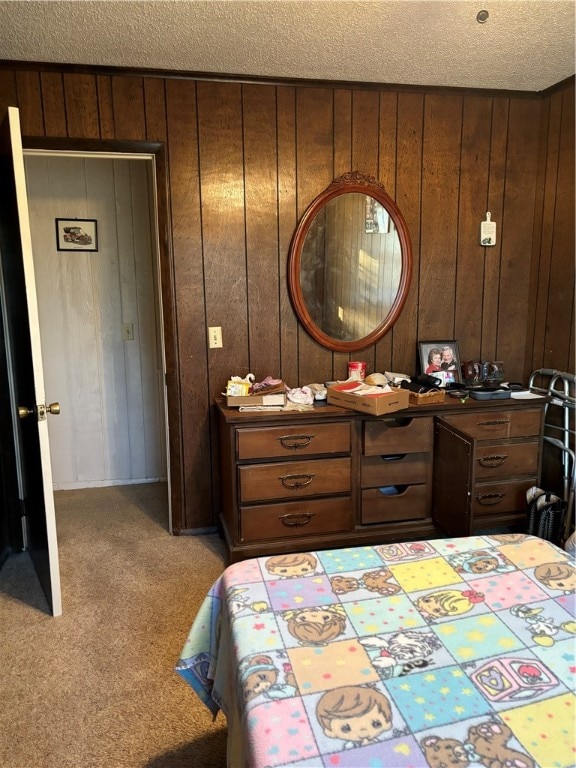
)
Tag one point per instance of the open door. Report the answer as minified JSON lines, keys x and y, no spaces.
{"x":24,"y":363}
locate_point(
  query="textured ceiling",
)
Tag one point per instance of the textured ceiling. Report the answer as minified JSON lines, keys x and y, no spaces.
{"x":525,"y":44}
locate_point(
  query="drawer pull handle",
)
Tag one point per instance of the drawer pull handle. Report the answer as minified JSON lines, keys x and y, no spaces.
{"x":492,"y":461}
{"x":296,"y":481}
{"x":489,"y":499}
{"x":493,"y":422}
{"x":293,"y":442}
{"x":299,"y":519}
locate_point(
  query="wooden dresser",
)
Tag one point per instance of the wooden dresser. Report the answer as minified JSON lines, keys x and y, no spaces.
{"x":332,"y":477}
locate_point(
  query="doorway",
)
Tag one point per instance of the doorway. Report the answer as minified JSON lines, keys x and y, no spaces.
{"x":99,"y":298}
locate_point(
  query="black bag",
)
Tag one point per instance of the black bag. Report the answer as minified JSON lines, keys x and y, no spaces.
{"x":546,"y":513}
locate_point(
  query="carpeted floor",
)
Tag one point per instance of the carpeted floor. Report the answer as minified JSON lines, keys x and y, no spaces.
{"x":96,"y":687}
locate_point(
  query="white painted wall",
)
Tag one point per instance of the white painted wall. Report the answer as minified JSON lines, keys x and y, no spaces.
{"x":111,"y":429}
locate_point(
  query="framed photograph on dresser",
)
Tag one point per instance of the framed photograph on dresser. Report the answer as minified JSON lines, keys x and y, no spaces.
{"x":440,"y":359}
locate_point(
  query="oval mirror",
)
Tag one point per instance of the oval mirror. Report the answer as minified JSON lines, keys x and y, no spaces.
{"x":350,"y":264}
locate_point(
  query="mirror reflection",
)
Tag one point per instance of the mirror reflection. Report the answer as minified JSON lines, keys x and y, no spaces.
{"x":351,"y":265}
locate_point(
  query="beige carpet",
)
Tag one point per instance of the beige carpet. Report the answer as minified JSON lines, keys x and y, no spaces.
{"x":95,"y":688}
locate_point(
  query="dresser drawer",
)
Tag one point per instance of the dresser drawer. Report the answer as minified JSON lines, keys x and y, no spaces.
{"x":296,"y":518}
{"x":505,"y":460}
{"x":411,"y":504}
{"x":395,"y":469}
{"x":397,"y":435}
{"x":496,"y":498}
{"x":260,"y":482}
{"x":296,"y":440}
{"x":497,"y":424}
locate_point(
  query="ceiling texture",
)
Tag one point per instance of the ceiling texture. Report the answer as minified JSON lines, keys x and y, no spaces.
{"x":525,"y":45}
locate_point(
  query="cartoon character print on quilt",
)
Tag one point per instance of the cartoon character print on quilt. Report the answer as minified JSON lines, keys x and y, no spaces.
{"x":457,"y":655}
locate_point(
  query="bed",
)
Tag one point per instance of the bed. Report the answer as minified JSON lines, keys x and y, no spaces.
{"x":441,"y":653}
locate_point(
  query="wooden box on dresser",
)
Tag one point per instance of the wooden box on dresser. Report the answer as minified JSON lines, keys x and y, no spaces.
{"x":331,"y":477}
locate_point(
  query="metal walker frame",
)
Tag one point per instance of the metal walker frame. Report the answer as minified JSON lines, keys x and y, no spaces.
{"x":561,"y":393}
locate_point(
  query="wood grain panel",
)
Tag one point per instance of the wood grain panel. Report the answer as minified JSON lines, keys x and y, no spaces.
{"x":342,"y":132}
{"x":53,"y":103}
{"x":437,"y":182}
{"x":223,"y":227}
{"x":30,"y":99}
{"x":263,"y":267}
{"x":473,"y":198}
{"x":365,"y":131}
{"x":387,"y":142}
{"x":409,"y":199}
{"x":8,"y":93}
{"x":519,"y":197}
{"x":81,"y":106}
{"x":561,"y":294}
{"x":493,"y":258}
{"x":343,"y":163}
{"x":365,"y":137}
{"x":155,"y":108}
{"x":128,"y":104}
{"x":440,"y":187}
{"x":190,"y":302}
{"x":314,"y":171}
{"x":105,"y":108}
{"x":287,"y":219}
{"x":543,"y":249}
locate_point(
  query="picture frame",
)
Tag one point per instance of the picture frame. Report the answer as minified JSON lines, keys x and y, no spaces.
{"x":77,"y":234}
{"x":440,"y":359}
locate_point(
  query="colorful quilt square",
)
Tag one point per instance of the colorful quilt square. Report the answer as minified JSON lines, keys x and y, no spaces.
{"x":396,"y":552}
{"x":475,"y":637}
{"x":503,"y":590}
{"x":425,"y":574}
{"x":245,"y":572}
{"x":436,"y":697}
{"x":279,"y":733}
{"x":560,"y":658}
{"x":383,"y":614}
{"x":353,"y":717}
{"x":256,"y":631}
{"x":546,"y":730}
{"x":455,"y":546}
{"x":332,"y":666}
{"x":248,"y":598}
{"x":286,"y":594}
{"x":515,"y":679}
{"x":529,"y":553}
{"x":405,"y":652}
{"x":568,"y":602}
{"x":541,"y":623}
{"x":363,"y":584}
{"x":352,"y":559}
{"x":400,"y":753}
{"x":314,"y":626}
{"x":291,"y":565}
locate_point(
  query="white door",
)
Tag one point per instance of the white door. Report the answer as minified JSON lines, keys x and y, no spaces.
{"x":26,"y":378}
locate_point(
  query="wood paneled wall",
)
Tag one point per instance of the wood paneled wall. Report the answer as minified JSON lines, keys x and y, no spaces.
{"x":245,"y":160}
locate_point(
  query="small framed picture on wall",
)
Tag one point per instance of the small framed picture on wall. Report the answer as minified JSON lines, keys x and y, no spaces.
{"x":440,"y":359}
{"x":77,"y":234}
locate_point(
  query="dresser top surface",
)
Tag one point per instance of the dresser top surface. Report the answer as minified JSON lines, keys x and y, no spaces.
{"x":324,"y":411}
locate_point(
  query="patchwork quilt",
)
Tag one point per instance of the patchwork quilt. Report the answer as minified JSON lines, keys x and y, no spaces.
{"x":449,"y":652}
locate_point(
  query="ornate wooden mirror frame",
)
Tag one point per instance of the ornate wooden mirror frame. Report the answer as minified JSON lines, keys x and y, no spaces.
{"x":350,"y":264}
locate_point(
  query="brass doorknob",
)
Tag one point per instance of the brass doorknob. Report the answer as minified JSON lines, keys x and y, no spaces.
{"x":41,"y":410}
